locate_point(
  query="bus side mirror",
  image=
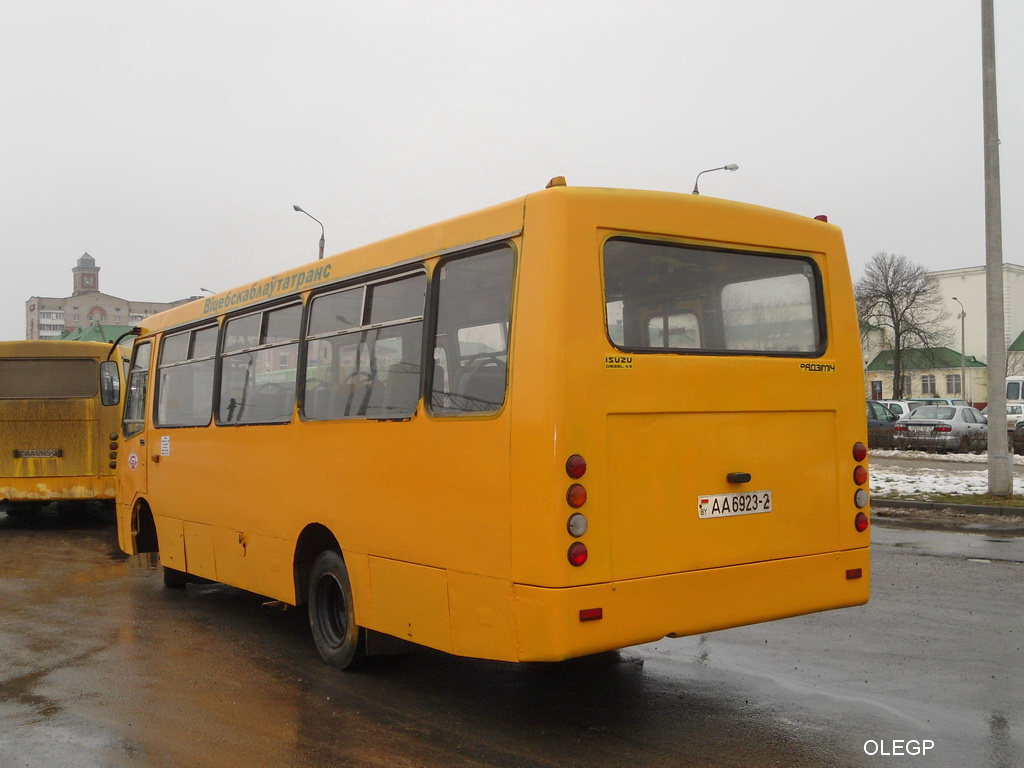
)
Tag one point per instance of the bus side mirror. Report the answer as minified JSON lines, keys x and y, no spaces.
{"x":110,"y":383}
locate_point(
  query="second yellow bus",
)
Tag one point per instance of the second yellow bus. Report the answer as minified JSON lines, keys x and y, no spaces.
{"x":59,"y":418}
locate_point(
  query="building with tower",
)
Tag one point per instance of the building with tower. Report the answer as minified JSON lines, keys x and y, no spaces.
{"x":53,"y":317}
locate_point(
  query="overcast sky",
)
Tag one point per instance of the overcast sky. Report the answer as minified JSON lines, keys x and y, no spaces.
{"x":170,"y":140}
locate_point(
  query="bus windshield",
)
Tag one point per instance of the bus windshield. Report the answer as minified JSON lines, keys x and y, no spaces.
{"x":667,"y":297}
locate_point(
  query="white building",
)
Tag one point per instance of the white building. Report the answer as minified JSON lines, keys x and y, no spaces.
{"x":51,"y":317}
{"x":969,"y":286}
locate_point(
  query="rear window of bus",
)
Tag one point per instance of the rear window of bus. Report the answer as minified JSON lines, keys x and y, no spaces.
{"x":666,"y":297}
{"x":55,"y":378}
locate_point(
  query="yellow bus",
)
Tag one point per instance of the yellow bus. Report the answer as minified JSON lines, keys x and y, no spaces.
{"x":581,"y":420}
{"x":59,"y":421}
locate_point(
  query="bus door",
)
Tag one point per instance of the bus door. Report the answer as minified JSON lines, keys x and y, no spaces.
{"x":135,"y":448}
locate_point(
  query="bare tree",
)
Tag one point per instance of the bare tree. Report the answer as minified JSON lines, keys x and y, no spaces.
{"x":903,"y":300}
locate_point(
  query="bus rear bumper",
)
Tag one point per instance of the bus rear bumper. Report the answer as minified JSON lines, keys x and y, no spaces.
{"x":47,"y":489}
{"x":551,"y":623}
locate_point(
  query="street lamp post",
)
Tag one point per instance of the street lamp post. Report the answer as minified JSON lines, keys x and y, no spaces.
{"x":314,"y":218}
{"x":963,"y":357}
{"x":729,"y":167}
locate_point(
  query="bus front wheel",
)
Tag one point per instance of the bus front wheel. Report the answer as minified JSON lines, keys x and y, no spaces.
{"x":340,"y":641}
{"x":175,"y":579}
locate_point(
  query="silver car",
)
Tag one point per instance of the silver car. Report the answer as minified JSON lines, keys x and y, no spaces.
{"x":901,"y":408}
{"x":943,"y":428}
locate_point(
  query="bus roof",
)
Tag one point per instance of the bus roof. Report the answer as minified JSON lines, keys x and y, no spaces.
{"x":493,"y":223}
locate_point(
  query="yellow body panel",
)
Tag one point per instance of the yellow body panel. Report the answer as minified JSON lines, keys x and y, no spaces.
{"x":453,"y":529}
{"x":411,"y":602}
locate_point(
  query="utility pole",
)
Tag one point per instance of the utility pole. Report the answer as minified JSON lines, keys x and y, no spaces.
{"x":1000,"y":461}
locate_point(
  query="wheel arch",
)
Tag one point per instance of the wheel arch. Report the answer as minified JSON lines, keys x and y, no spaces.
{"x":314,"y":539}
{"x":144,"y":528}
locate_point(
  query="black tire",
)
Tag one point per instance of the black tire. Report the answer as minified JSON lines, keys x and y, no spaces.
{"x":340,"y":641}
{"x":22,"y":509}
{"x":174,"y":579}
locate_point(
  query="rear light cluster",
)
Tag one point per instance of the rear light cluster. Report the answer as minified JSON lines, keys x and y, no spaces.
{"x":113,"y":450}
{"x":576,"y":497}
{"x":860,"y":479}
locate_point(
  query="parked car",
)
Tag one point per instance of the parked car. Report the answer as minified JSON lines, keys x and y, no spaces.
{"x":943,"y":428}
{"x":940,"y":401}
{"x":881,"y":426}
{"x":1014,"y":415}
{"x":1018,"y":438}
{"x":900,"y":407}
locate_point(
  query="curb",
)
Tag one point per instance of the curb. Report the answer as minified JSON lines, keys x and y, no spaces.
{"x":978,"y":509}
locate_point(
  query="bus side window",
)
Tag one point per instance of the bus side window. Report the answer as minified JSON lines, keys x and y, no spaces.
{"x":258,"y":362}
{"x":363,"y":360}
{"x":138,"y":384}
{"x":474,"y":314}
{"x":184,"y":395}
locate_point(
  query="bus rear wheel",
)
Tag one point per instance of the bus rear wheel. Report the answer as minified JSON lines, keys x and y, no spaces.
{"x":174,"y":579}
{"x":340,"y":641}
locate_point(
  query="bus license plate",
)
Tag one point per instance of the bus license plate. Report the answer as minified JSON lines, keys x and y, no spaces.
{"x":730,"y":504}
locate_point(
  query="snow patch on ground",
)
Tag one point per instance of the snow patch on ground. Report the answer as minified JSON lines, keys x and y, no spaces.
{"x":911,"y":481}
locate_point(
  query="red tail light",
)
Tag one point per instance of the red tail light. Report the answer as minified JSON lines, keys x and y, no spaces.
{"x":860,"y":522}
{"x":943,"y":428}
{"x":860,"y":451}
{"x":578,"y":553}
{"x":860,"y":475}
{"x":576,"y":466}
{"x":900,"y":428}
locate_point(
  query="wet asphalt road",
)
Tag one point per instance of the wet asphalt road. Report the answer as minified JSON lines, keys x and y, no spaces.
{"x":101,"y":666}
